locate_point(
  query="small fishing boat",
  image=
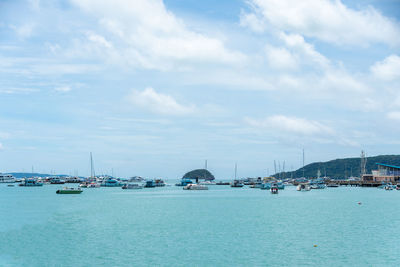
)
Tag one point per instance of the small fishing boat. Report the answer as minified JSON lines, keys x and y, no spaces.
{"x":150,"y":184}
{"x":195,"y":187}
{"x":110,"y":182}
{"x":159,"y":183}
{"x":57,"y":181}
{"x":237,"y":183}
{"x":332,"y":185}
{"x":303,"y":187}
{"x":84,"y":184}
{"x":222,"y":183}
{"x":265,"y":186}
{"x":93,"y":185}
{"x":132,"y":186}
{"x":274,"y":190}
{"x":69,"y":190}
{"x":75,"y":180}
{"x":317,"y":184}
{"x":398,"y":187}
{"x":256,"y":185}
{"x":388,"y":187}
{"x":184,"y":182}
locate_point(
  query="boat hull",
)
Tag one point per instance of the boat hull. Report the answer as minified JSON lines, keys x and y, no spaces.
{"x":62,"y":192}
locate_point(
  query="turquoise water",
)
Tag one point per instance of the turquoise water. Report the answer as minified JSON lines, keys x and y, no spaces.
{"x":220,"y":227}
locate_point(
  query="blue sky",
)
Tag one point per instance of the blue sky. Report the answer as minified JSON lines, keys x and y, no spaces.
{"x":154,"y":88}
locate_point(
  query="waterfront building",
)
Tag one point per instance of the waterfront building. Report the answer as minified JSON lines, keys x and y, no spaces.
{"x":384,"y":173}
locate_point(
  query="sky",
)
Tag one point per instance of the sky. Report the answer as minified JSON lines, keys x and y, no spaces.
{"x":154,"y":88}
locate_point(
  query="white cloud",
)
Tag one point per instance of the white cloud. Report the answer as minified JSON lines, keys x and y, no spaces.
{"x":293,"y":125}
{"x":15,"y":90}
{"x":388,"y":69}
{"x":98,"y":39}
{"x":159,"y":103}
{"x":23,"y":31}
{"x":144,"y":33}
{"x":330,"y":21}
{"x":253,"y":21}
{"x":304,"y":49}
{"x":64,"y":89}
{"x":1,"y":146}
{"x":394,"y":115}
{"x":281,"y":58}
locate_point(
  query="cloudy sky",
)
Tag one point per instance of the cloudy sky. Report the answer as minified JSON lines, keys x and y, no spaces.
{"x":155,"y":87}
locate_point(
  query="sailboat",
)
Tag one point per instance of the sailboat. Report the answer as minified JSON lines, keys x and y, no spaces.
{"x":236,"y":183}
{"x":91,"y":181}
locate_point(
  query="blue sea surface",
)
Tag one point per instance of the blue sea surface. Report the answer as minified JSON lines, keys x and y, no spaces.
{"x":223,"y":226}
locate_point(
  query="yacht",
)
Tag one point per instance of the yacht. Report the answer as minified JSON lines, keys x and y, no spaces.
{"x":7,"y":178}
{"x":195,"y":187}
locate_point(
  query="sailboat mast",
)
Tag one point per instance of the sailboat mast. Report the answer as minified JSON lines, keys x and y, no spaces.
{"x":91,"y":166}
{"x":235,"y":170}
{"x":303,"y":163}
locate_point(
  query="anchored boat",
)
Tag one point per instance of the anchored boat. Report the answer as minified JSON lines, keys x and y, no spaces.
{"x":195,"y":187}
{"x":184,"y":182}
{"x":303,"y":187}
{"x":7,"y":178}
{"x":30,"y":182}
{"x":69,"y":190}
{"x":132,"y":186}
{"x":274,"y":190}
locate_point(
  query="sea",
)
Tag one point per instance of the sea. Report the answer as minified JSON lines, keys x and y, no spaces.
{"x":224,"y":226}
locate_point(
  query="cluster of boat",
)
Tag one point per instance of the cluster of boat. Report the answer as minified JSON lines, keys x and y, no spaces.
{"x":271,"y":184}
{"x":389,"y":186}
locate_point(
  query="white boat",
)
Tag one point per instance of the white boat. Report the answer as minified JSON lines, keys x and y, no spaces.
{"x":93,"y":185}
{"x":389,"y":187}
{"x":303,"y":187}
{"x":7,"y":178}
{"x":207,"y":183}
{"x":132,"y":186}
{"x":195,"y":187}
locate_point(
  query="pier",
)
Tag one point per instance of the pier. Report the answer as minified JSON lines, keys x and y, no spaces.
{"x":357,"y":183}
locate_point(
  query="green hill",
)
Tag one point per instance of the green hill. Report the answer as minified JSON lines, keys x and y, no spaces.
{"x":341,"y":168}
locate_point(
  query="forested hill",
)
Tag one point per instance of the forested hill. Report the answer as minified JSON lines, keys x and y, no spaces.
{"x":340,"y":168}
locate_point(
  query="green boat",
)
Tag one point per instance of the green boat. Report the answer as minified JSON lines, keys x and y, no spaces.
{"x":67,"y":190}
